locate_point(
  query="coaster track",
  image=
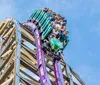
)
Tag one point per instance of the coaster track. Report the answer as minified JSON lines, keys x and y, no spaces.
{"x":22,"y":61}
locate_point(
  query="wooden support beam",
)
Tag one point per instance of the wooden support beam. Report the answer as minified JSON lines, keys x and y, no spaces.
{"x":28,"y":76}
{"x":6,"y":53}
{"x":8,"y":60}
{"x":28,"y":34}
{"x":6,"y":73}
{"x":2,"y":29}
{"x":76,"y":76}
{"x":29,"y":56}
{"x":8,"y":32}
{"x":8,"y":81}
{"x":28,"y":82}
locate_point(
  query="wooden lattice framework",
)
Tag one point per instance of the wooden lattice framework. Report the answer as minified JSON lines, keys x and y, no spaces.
{"x":18,"y":64}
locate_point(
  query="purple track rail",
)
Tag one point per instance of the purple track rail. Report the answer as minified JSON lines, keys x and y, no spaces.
{"x":58,"y":73}
{"x":41,"y":61}
{"x":40,"y":56}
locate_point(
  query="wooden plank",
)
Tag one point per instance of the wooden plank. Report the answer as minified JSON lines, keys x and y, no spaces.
{"x":29,"y":56}
{"x":6,"y":73}
{"x":26,"y":65}
{"x":28,"y":75}
{"x":7,"y":81}
{"x":7,"y":60}
{"x":28,"y":34}
{"x":1,"y":25}
{"x":6,"y":53}
{"x":28,"y":82}
{"x":6,"y":23}
{"x":27,"y":39}
{"x":8,"y":45}
{"x":8,"y":32}
{"x":25,"y":57}
{"x":2,"y":29}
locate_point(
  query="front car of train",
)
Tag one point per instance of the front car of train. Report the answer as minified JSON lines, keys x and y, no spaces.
{"x":54,"y":34}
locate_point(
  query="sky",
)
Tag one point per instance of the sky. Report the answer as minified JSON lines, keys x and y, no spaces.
{"x":83,"y":16}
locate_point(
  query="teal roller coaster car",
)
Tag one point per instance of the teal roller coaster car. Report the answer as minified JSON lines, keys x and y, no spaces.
{"x":46,"y":28}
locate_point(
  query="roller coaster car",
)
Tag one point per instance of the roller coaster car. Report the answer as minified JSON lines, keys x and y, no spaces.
{"x":44,"y":21}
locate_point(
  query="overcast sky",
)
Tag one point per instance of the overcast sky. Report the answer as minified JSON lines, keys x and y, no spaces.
{"x":83,"y":16}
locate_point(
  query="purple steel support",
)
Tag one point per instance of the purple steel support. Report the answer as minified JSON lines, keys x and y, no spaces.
{"x":58,"y":73}
{"x":40,"y":56}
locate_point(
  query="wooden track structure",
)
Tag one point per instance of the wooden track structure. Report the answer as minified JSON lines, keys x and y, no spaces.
{"x":18,"y":64}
